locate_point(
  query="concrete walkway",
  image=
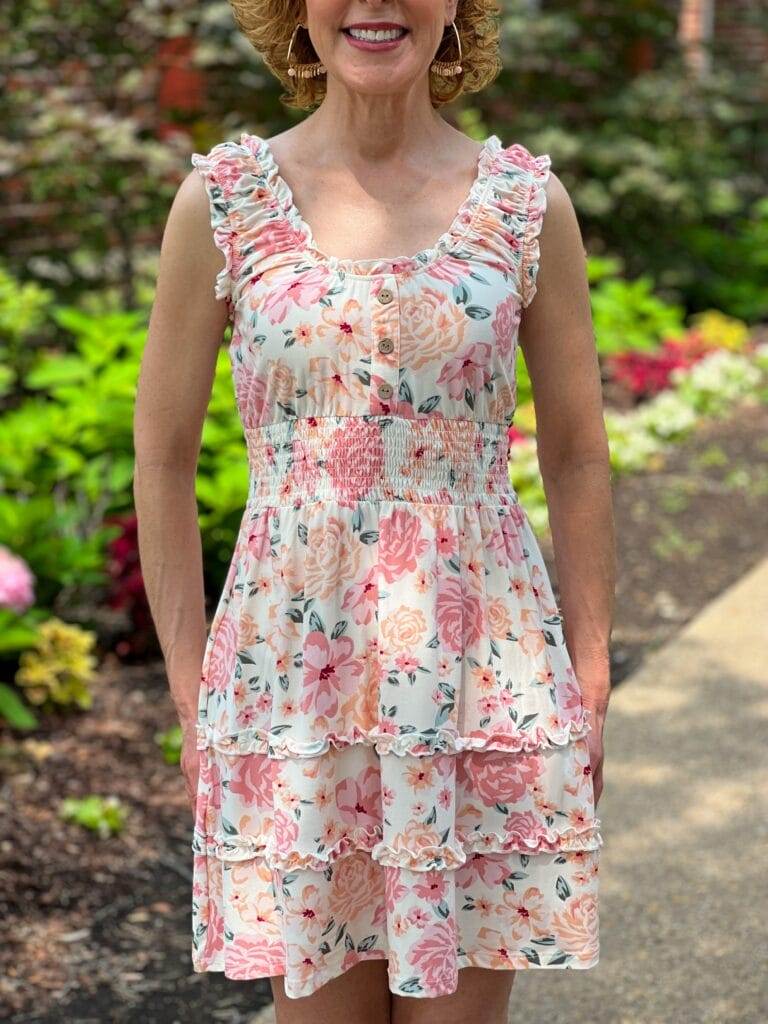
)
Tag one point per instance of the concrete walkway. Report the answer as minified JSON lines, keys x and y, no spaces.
{"x":684,"y":869}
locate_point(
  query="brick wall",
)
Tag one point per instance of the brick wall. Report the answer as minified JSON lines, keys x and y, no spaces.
{"x":737,"y":24}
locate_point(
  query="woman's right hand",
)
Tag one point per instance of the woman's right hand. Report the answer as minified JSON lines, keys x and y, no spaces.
{"x":190,"y":762}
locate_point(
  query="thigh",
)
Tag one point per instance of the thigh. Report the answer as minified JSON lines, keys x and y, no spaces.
{"x":481,"y":997}
{"x":359,"y":996}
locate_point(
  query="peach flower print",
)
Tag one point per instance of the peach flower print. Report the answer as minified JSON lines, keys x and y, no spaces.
{"x":403,"y":629}
{"x":356,"y":883}
{"x":433,"y":325}
{"x":576,"y":926}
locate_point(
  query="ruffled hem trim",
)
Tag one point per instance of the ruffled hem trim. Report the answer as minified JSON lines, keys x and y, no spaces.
{"x":537,"y":207}
{"x":413,"y":744}
{"x":445,"y":857}
{"x":526,"y":958}
{"x":209,"y":166}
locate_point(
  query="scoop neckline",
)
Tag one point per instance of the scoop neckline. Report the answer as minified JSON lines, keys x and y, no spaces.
{"x":462,"y":224}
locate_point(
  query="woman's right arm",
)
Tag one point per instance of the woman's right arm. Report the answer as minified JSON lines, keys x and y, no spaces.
{"x":186,"y":328}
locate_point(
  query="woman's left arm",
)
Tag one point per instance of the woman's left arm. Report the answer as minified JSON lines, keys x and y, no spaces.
{"x":557,"y":339}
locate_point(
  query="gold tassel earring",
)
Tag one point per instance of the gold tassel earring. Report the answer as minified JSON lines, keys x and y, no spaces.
{"x":449,"y":67}
{"x":309,"y":69}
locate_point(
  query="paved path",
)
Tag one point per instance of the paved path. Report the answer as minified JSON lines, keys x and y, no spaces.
{"x":684,"y":870}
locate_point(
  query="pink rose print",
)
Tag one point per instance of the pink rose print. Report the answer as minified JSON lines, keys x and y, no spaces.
{"x":258,"y":539}
{"x":400,"y":544}
{"x":329,"y":669}
{"x":576,"y":926}
{"x":434,"y":957}
{"x":505,"y":325}
{"x":355,"y":459}
{"x":253,"y":778}
{"x":359,"y":799}
{"x":497,"y":776}
{"x":460,"y":616}
{"x":221,"y":664}
{"x":286,"y":831}
{"x":250,"y":394}
{"x":470,"y":370}
{"x":525,"y":828}
{"x":254,"y":958}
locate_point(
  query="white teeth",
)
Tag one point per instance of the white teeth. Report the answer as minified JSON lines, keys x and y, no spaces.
{"x":378,"y":35}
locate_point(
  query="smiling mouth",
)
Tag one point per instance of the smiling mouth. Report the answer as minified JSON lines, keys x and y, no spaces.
{"x":376,"y":35}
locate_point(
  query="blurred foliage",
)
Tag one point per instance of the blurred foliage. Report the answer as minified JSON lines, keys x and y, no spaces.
{"x":169,"y":742}
{"x":59,"y":668}
{"x":66,"y":447}
{"x":103,"y":815}
{"x":666,"y":169}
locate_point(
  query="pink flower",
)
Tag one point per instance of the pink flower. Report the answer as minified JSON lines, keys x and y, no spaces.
{"x":258,"y":538}
{"x":358,"y":799}
{"x":489,"y":869}
{"x":434,"y":956}
{"x":329,"y":669}
{"x":250,"y":394}
{"x":221,"y":663}
{"x":525,"y":828}
{"x":460,"y":616}
{"x":249,"y":958}
{"x":355,"y":457}
{"x":470,"y":370}
{"x":497,"y":776}
{"x":400,"y":544}
{"x":505,"y":325}
{"x":253,"y":778}
{"x":362,"y":598}
{"x":16,"y":582}
{"x":289,"y":290}
{"x":286,"y":831}
{"x":432,"y":887}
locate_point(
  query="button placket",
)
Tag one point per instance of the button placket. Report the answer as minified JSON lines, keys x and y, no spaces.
{"x":385,"y":326}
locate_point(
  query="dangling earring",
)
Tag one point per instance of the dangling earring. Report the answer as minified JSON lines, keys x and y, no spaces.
{"x":309,"y":69}
{"x":449,"y":67}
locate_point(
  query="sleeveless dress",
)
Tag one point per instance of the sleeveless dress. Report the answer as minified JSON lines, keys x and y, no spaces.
{"x":392,"y":736}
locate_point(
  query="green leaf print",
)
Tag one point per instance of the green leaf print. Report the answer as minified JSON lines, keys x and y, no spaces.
{"x":339,"y":629}
{"x":367,"y":943}
{"x":315,"y":622}
{"x":429,"y":404}
{"x":478,"y":312}
{"x":562,"y":888}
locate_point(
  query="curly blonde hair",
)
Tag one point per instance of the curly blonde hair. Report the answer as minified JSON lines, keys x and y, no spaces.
{"x":269,"y":24}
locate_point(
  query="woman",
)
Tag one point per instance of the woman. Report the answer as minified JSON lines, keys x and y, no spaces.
{"x":395,"y":749}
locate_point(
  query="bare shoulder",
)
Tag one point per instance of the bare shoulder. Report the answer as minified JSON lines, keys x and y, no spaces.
{"x":560,"y":229}
{"x":189,"y":219}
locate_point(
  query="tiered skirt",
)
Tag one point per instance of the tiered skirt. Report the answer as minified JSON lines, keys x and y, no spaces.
{"x":393,"y":746}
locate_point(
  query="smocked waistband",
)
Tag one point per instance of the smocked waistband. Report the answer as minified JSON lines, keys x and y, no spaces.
{"x":368,"y":457}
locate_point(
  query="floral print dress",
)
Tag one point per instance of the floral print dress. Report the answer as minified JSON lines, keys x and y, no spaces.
{"x":392,"y":737}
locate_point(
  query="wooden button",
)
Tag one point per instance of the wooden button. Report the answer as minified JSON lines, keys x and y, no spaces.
{"x":385,"y":391}
{"x":386,"y":345}
{"x":385,"y":295}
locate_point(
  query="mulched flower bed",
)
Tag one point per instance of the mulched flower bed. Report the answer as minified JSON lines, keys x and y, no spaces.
{"x":98,"y":930}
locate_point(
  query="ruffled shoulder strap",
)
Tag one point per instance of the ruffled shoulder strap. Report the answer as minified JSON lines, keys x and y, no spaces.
{"x":517,"y":203}
{"x":250,"y":210}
